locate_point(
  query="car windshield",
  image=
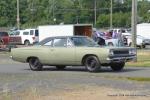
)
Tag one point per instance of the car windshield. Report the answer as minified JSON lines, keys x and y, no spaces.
{"x":83,"y":41}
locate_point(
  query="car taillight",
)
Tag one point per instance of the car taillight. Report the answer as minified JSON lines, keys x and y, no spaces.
{"x":33,"y":38}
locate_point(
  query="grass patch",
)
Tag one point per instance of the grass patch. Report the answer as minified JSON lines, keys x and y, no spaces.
{"x":4,"y":52}
{"x":142,"y":79}
{"x":139,"y":79}
{"x":84,"y":93}
{"x":143,"y":59}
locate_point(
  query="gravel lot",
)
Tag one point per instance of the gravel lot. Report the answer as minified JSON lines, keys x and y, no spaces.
{"x":16,"y":77}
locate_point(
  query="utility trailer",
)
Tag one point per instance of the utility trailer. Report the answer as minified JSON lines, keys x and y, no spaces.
{"x":64,"y":30}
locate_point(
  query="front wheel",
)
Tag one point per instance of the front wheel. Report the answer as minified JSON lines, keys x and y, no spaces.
{"x":117,"y":66}
{"x":92,"y":64}
{"x":35,"y":64}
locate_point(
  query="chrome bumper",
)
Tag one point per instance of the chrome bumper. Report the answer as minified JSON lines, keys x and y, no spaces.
{"x":122,"y":59}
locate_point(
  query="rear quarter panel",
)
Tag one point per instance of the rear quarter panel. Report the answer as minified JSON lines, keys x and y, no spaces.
{"x":21,"y":54}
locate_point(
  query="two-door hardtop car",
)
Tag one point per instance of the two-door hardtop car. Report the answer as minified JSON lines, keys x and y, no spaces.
{"x":62,"y":51}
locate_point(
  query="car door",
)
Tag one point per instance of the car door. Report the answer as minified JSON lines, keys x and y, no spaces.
{"x":44,"y":51}
{"x":63,"y":52}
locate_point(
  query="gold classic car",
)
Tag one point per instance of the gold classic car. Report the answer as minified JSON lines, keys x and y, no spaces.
{"x":62,"y":51}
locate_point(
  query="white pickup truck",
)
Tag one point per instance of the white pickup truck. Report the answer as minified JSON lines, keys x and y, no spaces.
{"x":28,"y":36}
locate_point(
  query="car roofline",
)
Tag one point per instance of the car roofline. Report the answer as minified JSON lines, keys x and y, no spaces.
{"x":66,"y":36}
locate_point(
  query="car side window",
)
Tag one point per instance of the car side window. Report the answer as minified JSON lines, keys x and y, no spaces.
{"x":17,"y":33}
{"x":25,"y":33}
{"x":36,"y":33}
{"x":69,"y":43}
{"x":31,"y":32}
{"x":48,"y":43}
{"x":60,"y":42}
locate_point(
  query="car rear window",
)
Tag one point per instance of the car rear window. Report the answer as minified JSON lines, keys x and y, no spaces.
{"x":3,"y":34}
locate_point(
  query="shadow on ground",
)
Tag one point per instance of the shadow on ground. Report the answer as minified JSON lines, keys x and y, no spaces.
{"x":102,"y":70}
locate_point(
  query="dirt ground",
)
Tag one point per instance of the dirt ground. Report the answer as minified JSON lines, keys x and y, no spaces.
{"x":85,"y":93}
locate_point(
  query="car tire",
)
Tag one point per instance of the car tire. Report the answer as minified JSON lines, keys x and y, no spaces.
{"x":60,"y":67}
{"x":92,"y":64}
{"x":35,"y":64}
{"x":117,"y":66}
{"x":26,"y":42}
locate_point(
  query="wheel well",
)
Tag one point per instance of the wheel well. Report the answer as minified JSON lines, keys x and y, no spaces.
{"x":30,"y":58}
{"x":26,"y":40}
{"x":84,"y":57}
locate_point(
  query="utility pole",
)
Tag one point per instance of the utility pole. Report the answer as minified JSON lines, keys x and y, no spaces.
{"x":95,"y":14}
{"x":111,"y":11}
{"x":134,"y":22}
{"x":18,"y":17}
{"x":53,"y":6}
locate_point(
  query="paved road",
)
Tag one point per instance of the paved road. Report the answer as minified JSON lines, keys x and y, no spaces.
{"x":16,"y":77}
{"x":127,"y":72}
{"x":9,"y":66}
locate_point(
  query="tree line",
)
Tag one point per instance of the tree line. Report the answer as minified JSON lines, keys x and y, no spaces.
{"x":43,"y":12}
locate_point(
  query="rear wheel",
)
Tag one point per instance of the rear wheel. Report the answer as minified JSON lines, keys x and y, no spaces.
{"x":92,"y":64}
{"x":35,"y":64}
{"x":26,"y":42}
{"x":117,"y":66}
{"x":60,"y":67}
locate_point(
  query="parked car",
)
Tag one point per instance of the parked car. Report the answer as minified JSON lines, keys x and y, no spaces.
{"x":114,"y":42}
{"x":62,"y":51}
{"x":140,"y":41}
